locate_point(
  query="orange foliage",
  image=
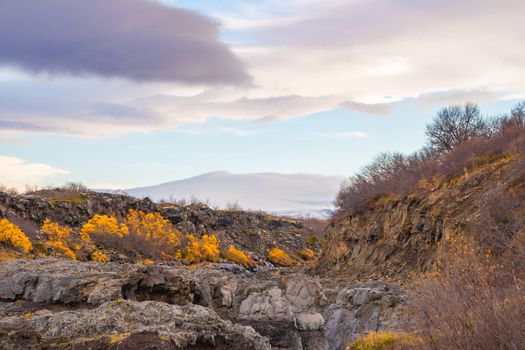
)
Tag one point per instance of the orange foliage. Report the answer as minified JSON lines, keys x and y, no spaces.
{"x":145,"y":262}
{"x":306,"y":253}
{"x":54,"y":231}
{"x":59,"y":248}
{"x":204,"y":249}
{"x":210,"y":248}
{"x":103,"y":225}
{"x":99,"y":256}
{"x":11,"y":234}
{"x":155,"y":228}
{"x":192,"y":252}
{"x":58,"y":239}
{"x":239,"y":257}
{"x":279,"y":257}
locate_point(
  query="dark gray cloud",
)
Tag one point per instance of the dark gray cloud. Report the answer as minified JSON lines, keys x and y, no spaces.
{"x":138,"y":40}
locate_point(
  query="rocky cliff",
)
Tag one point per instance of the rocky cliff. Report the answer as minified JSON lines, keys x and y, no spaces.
{"x":401,"y":234}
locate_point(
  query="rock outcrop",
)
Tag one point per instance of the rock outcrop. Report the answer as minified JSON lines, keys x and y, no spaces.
{"x":70,"y":208}
{"x":253,"y":232}
{"x":399,"y":235}
{"x":125,"y":324}
{"x":67,"y":304}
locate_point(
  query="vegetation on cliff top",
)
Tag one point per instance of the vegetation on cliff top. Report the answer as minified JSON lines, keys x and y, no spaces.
{"x":459,"y":140}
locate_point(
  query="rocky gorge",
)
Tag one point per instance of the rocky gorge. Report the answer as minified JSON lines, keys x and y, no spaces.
{"x":60,"y":304}
{"x":358,"y":283}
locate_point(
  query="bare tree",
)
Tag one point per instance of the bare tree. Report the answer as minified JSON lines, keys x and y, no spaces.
{"x":454,"y":125}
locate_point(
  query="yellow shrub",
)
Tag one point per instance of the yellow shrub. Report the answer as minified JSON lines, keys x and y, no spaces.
{"x":279,"y":257}
{"x":11,"y":234}
{"x":239,"y":257}
{"x":54,"y":231}
{"x":204,"y":249}
{"x":99,"y":256}
{"x":154,"y":227}
{"x":210,"y":248}
{"x":58,"y":239}
{"x":59,"y":248}
{"x":103,"y":225}
{"x":145,"y":261}
{"x":306,"y":253}
{"x":383,"y":341}
{"x":192,"y":251}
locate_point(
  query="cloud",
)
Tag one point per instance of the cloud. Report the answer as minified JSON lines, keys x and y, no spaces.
{"x":304,"y":56}
{"x":138,"y":40}
{"x":443,"y":98}
{"x":22,"y":126}
{"x":17,"y":172}
{"x":199,"y":109}
{"x":381,"y":109}
{"x":367,"y":50}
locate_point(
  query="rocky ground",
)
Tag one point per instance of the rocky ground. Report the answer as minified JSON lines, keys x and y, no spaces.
{"x":62,"y":304}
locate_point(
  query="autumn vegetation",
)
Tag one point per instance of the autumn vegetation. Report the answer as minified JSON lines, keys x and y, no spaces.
{"x":11,"y":235}
{"x":473,"y":299}
{"x":385,"y":341}
{"x":459,"y":140}
{"x":145,"y":237}
{"x":238,"y":256}
{"x":279,"y":257}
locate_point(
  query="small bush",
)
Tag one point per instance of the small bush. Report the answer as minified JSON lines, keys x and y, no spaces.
{"x":145,"y":262}
{"x":54,"y":231}
{"x":192,"y":252}
{"x":152,"y":234}
{"x":100,"y":226}
{"x":59,"y":248}
{"x":210,"y":248}
{"x":239,"y":257}
{"x":384,"y":341}
{"x":198,"y":250}
{"x":99,"y":256}
{"x":12,"y":235}
{"x":474,"y":302}
{"x":75,"y":187}
{"x":306,"y":254}
{"x":9,"y":190}
{"x":58,"y":239}
{"x":279,"y":257}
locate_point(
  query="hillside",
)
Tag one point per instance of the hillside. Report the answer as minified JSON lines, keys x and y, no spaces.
{"x":253,"y":232}
{"x":403,"y":234}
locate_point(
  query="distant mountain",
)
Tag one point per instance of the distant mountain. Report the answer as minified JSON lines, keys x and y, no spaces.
{"x":286,"y":194}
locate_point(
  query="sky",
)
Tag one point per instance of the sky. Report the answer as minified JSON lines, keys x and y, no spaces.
{"x":129,"y":93}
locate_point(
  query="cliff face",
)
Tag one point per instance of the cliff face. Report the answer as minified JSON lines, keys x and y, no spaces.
{"x":398,"y":235}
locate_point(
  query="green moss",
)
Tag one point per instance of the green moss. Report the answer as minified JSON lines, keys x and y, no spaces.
{"x":71,"y":200}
